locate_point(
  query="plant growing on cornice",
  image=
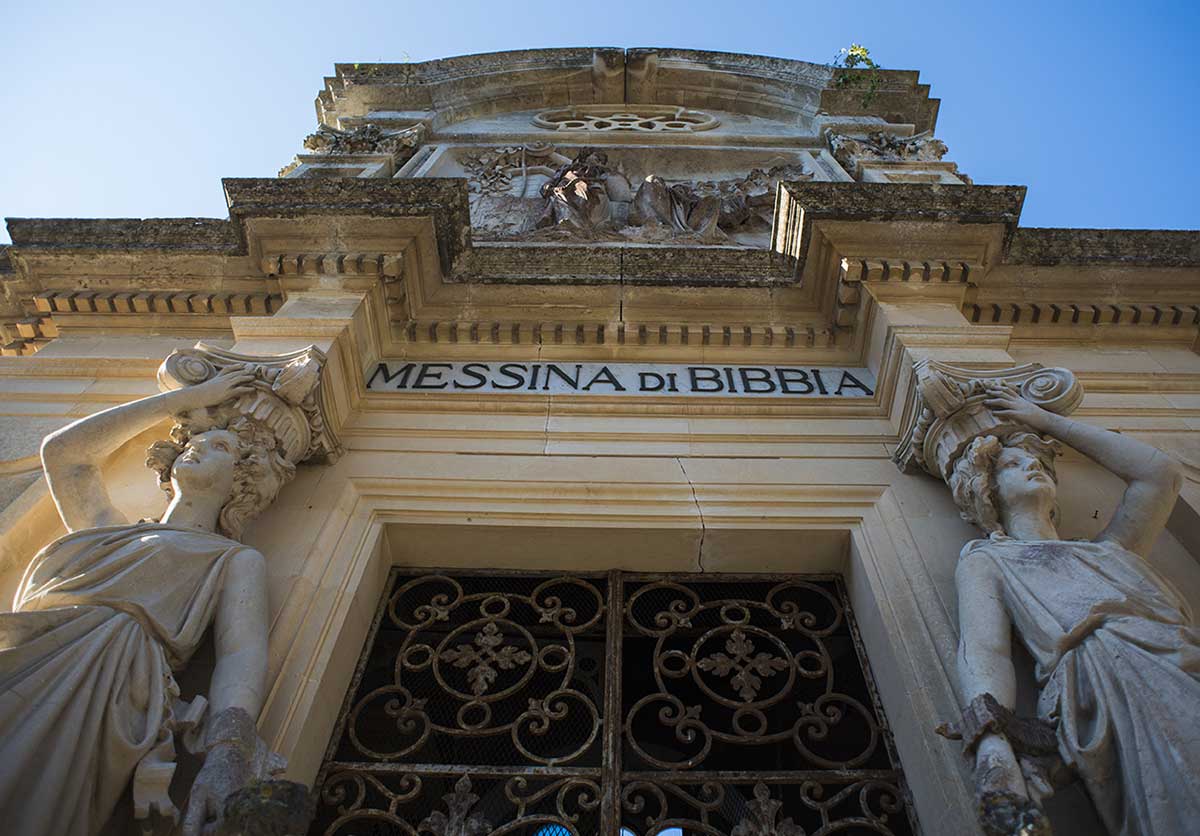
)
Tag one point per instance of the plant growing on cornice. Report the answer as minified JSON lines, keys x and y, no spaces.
{"x":856,"y":57}
{"x":379,"y":67}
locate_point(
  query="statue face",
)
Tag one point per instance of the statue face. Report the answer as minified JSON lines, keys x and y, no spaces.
{"x":1021,"y":480}
{"x":206,"y":463}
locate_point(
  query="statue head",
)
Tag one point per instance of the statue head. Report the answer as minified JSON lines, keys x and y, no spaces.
{"x":237,"y":458}
{"x":996,"y":479}
{"x":243,"y":451}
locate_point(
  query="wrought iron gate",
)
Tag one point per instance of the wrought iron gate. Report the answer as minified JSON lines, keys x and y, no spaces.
{"x":541,"y":705}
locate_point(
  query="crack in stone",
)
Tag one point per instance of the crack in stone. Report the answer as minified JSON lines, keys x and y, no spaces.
{"x":700,"y":511}
{"x":549,"y":402}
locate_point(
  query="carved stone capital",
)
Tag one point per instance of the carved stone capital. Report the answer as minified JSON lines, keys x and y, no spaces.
{"x":885,"y":147}
{"x":884,"y":157}
{"x":365,"y":139}
{"x":949,"y":411}
{"x":288,"y":397}
{"x":372,"y":150}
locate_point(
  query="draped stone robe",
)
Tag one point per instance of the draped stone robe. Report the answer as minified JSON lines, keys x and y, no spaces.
{"x":102,"y":618}
{"x":1118,"y":662}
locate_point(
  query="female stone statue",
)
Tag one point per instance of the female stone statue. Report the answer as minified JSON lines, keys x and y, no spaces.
{"x":1117,"y":655}
{"x":105,"y":614}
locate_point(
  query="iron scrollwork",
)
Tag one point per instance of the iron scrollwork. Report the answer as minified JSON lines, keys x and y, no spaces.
{"x":747,"y":665}
{"x":479,"y":666}
{"x":744,"y":807}
{"x":359,"y":803}
{"x":734,"y":706}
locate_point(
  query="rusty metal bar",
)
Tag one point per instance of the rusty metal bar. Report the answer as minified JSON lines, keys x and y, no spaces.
{"x":473,"y":770}
{"x":794,"y":776}
{"x":610,"y":781}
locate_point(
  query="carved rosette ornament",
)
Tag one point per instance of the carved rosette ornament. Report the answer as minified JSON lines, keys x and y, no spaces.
{"x":949,"y":413}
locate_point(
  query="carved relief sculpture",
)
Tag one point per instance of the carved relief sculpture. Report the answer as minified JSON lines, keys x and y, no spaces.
{"x":106,"y":614}
{"x":577,"y":196}
{"x":1117,"y":655}
{"x":492,"y":172}
{"x":707,"y":209}
{"x":587,"y":197}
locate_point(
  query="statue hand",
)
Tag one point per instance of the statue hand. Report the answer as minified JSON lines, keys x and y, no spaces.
{"x":1002,"y":795}
{"x":997,"y":768}
{"x":1010,"y":406}
{"x":226,"y":769}
{"x":217,"y":389}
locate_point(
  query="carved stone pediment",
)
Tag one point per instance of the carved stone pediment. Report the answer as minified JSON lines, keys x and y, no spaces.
{"x":949,"y":412}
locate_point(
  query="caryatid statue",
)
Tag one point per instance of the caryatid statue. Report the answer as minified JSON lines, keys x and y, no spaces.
{"x":1117,"y":654}
{"x":107,"y":614}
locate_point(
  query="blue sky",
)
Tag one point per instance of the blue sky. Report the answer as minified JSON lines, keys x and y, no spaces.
{"x":138,"y":109}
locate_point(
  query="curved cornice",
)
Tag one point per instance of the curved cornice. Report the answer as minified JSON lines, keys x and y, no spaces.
{"x":450,"y":90}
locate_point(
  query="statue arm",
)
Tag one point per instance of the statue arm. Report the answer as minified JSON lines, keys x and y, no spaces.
{"x":71,"y":459}
{"x":1153,"y":478}
{"x":985,"y":663}
{"x":985,"y":666}
{"x":240,"y":635}
{"x":72,"y":456}
{"x":236,"y":693}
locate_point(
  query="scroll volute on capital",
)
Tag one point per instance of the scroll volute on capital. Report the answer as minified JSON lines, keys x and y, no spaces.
{"x":949,"y":412}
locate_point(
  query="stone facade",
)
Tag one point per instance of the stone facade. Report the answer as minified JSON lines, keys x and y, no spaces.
{"x":736,"y":221}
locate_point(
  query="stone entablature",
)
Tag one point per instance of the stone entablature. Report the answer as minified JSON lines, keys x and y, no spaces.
{"x":834,"y":254}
